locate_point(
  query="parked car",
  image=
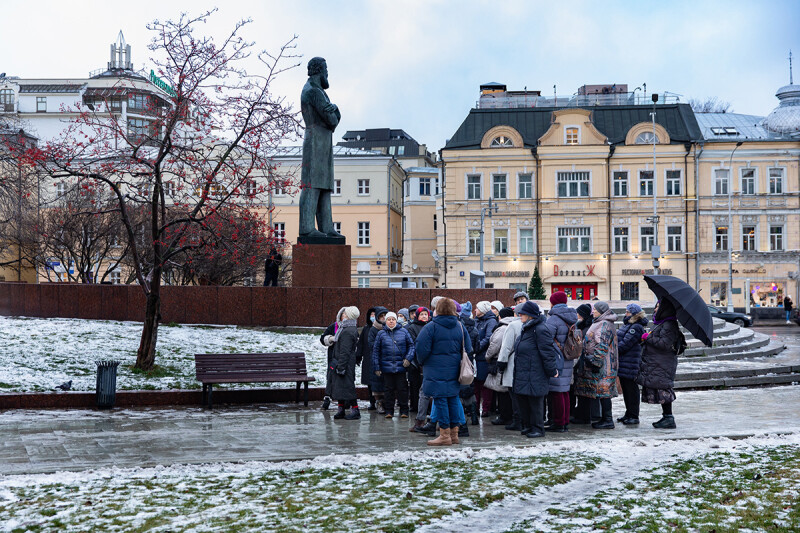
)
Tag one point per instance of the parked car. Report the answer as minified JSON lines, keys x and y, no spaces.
{"x":740,"y":319}
{"x":796,"y":316}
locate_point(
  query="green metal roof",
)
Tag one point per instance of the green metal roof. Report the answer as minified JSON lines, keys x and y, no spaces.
{"x":612,"y":121}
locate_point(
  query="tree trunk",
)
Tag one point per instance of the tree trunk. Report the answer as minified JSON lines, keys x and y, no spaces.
{"x":146,"y":356}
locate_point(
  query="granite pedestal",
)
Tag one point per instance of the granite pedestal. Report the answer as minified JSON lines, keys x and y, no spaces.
{"x":321,"y":265}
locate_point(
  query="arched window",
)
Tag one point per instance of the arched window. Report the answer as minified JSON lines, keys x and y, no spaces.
{"x":646,"y":137}
{"x":502,"y":142}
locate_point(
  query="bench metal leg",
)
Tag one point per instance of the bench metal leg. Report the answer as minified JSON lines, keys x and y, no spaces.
{"x":203,"y":396}
{"x":297,"y":393}
{"x":210,"y":392}
{"x":305,"y":394}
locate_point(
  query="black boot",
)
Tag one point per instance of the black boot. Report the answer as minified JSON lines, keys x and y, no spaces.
{"x":473,"y":413}
{"x":500,"y":422}
{"x":630,"y":421}
{"x":354,"y":414}
{"x":428,"y":429}
{"x":340,"y":413}
{"x":463,"y":430}
{"x":514,"y":426}
{"x":371,"y":404}
{"x":326,"y":403}
{"x":604,"y":423}
{"x":666,"y":422}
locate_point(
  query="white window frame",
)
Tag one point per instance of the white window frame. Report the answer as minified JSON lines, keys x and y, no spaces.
{"x":250,"y":187}
{"x":529,"y":185}
{"x":623,"y":182}
{"x":337,"y":188}
{"x":671,"y":238}
{"x":495,"y":231}
{"x":363,"y":187}
{"x":569,"y":173}
{"x":424,"y":186}
{"x":772,"y":247}
{"x":717,"y":182}
{"x":401,"y":150}
{"x":503,"y":185}
{"x":363,"y":233}
{"x":619,"y":239}
{"x":667,"y":181}
{"x":770,"y":180}
{"x":646,"y":241}
{"x":566,"y":135}
{"x":61,"y":189}
{"x":115,"y":276}
{"x":338,"y":227}
{"x":754,"y":247}
{"x":279,"y":231}
{"x":477,"y":246}
{"x":754,"y":178}
{"x":363,"y":283}
{"x":568,"y":237}
{"x":169,"y":188}
{"x":532,"y":241}
{"x":720,"y":238}
{"x":41,"y":100}
{"x":643,"y":180}
{"x":436,"y":186}
{"x":479,"y":184}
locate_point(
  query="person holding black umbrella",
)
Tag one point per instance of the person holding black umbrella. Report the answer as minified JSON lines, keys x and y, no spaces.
{"x":662,"y":345}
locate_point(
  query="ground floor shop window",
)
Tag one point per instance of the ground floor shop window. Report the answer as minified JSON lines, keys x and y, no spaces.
{"x":629,"y":290}
{"x":576,"y":291}
{"x":719,"y":293}
{"x":767,"y":294}
{"x":518,"y":287}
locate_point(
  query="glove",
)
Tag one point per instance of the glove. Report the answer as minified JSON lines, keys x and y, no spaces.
{"x":406,"y":363}
{"x":328,"y":340}
{"x":378,"y":373}
{"x":341,"y":372}
{"x":502,"y":365}
{"x":644,"y":336}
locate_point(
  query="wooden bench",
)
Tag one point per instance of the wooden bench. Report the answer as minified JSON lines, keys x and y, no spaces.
{"x":213,"y":368}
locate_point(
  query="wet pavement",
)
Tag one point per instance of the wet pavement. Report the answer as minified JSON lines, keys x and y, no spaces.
{"x":50,"y":440}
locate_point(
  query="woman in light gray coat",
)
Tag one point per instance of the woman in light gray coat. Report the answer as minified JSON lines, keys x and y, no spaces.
{"x":495,"y":377}
{"x":559,"y":321}
{"x":505,"y":364}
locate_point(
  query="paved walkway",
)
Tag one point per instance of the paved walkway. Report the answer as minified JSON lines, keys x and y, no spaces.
{"x":48,"y":441}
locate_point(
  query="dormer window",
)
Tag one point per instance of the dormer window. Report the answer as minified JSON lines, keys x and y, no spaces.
{"x":571,"y":136}
{"x":646,"y":137}
{"x":502,"y":142}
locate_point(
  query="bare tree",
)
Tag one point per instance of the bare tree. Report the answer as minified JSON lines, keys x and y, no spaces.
{"x":710,"y":105}
{"x":202,"y":152}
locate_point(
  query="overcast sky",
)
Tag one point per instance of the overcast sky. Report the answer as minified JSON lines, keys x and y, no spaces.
{"x":417,"y":65}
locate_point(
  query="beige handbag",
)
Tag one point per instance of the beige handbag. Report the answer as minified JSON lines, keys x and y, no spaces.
{"x":466,"y":374}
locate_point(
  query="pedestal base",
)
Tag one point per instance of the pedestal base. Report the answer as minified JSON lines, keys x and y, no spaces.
{"x":321,"y":265}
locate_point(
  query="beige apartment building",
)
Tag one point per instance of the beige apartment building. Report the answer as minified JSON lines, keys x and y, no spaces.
{"x":421,"y":194}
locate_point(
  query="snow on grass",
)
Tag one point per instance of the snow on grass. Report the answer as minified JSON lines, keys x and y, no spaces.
{"x":38,"y":354}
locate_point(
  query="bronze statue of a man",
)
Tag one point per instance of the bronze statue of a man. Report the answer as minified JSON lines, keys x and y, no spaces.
{"x":321,"y":118}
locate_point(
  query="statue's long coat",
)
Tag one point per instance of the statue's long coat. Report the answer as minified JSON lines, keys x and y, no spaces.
{"x":321,"y":118}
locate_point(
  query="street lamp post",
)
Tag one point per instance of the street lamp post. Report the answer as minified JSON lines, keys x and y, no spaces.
{"x":656,"y":249}
{"x":730,"y":229}
{"x":491,"y":209}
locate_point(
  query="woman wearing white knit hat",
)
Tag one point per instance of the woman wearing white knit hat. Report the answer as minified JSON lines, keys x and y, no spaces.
{"x":343,"y":364}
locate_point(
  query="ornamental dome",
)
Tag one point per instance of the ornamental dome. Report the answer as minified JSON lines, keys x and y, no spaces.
{"x":786,"y":117}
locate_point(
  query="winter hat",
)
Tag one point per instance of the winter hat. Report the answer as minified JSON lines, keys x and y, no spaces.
{"x":421,"y":310}
{"x":559,"y":297}
{"x":390,"y":314}
{"x":404,"y":312}
{"x":435,"y":301}
{"x":529,"y":308}
{"x":466,"y":310}
{"x":633,"y":309}
{"x":412,"y":308}
{"x":352,"y":313}
{"x":506,"y":312}
{"x":585,"y":310}
{"x":484,"y":307}
{"x":601,"y":307}
{"x":339,"y":314}
{"x":380,"y":311}
{"x":458,"y":307}
{"x":497,"y":304}
{"x":665,"y":309}
{"x":518,"y":308}
{"x":521,"y":294}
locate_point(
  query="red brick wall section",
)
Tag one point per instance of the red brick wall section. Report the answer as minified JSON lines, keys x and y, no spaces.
{"x":244,"y":306}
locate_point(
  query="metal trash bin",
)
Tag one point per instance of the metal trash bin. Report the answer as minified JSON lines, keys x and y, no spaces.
{"x":106,"y":390}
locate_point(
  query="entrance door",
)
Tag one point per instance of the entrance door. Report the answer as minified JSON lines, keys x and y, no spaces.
{"x":576,"y":291}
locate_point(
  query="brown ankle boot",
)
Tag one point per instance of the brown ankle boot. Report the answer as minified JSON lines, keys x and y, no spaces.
{"x":443,"y":439}
{"x":454,"y":435}
{"x":417,"y":424}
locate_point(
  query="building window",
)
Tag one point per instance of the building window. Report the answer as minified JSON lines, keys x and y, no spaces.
{"x":499,"y":187}
{"x":620,"y":183}
{"x":776,"y":238}
{"x":621,"y":239}
{"x":525,"y":186}
{"x":140,"y":129}
{"x":572,"y":184}
{"x":363,"y":233}
{"x":250,"y":188}
{"x":363,"y":187}
{"x":572,"y":136}
{"x":647,"y":236}
{"x":674,"y":238}
{"x":424,"y":186}
{"x":721,"y":238}
{"x":473,"y":187}
{"x":776,"y":181}
{"x":748,"y":181}
{"x":646,"y":137}
{"x":673,"y":182}
{"x":500,"y":241}
{"x":719,"y":292}
{"x":645,"y":183}
{"x":114,"y":277}
{"x":574,"y":240}
{"x":436,"y":186}
{"x":338,"y":227}
{"x":435,"y":225}
{"x":280,"y":188}
{"x":401,"y":150}
{"x":526,"y":241}
{"x":392,"y":150}
{"x":629,"y":290}
{"x":137,"y":102}
{"x":337,"y":188}
{"x":363,"y":283}
{"x":474,"y":238}
{"x":748,"y":238}
{"x":41,"y":104}
{"x":280,"y":232}
{"x":6,"y":100}
{"x":61,"y":189}
{"x":169,"y":188}
{"x":721,"y":181}
{"x":502,"y":142}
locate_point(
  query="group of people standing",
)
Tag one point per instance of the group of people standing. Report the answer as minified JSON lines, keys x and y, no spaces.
{"x":539,"y":373}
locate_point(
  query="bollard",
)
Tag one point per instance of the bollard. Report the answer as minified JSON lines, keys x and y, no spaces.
{"x":106,"y":384}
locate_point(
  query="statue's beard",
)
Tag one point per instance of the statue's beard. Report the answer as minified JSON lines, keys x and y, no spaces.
{"x":323,"y":81}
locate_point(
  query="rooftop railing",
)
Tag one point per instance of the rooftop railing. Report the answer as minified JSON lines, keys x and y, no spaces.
{"x":506,"y":101}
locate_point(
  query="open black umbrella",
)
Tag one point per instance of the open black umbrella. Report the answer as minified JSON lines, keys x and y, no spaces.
{"x":690,"y":308}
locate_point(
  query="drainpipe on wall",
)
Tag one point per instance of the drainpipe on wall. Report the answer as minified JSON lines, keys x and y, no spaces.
{"x":697,"y":156}
{"x":535,"y":153}
{"x":688,"y":147}
{"x":443,"y":188}
{"x":389,"y":221}
{"x":611,"y":149}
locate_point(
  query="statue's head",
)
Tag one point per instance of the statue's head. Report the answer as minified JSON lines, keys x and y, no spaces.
{"x":318,"y":67}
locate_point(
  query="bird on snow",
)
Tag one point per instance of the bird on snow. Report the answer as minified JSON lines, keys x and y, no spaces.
{"x":67,"y":385}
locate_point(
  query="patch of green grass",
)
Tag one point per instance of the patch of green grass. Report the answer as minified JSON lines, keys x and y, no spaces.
{"x":6,"y":385}
{"x":158,"y":371}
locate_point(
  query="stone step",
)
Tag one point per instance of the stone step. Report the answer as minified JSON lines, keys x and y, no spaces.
{"x":758,"y":340}
{"x":741,"y":335}
{"x":738,"y":373}
{"x":723,"y":330}
{"x":751,"y":381}
{"x":773,"y":348}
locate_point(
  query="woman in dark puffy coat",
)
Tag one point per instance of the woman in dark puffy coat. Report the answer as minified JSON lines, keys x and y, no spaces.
{"x":486,"y":321}
{"x":629,"y":344}
{"x":391,"y":356}
{"x":438,"y":350}
{"x":326,"y":339}
{"x":660,"y":362}
{"x":343,"y":364}
{"x":534,"y":363}
{"x":559,"y":321}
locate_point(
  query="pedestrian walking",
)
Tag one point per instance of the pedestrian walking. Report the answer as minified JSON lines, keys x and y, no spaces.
{"x":534,"y":363}
{"x":629,"y":342}
{"x":788,"y":306}
{"x":391,"y":357}
{"x":662,"y":345}
{"x":343,"y":363}
{"x":438,"y":349}
{"x":596,"y":371}
{"x":559,"y":320}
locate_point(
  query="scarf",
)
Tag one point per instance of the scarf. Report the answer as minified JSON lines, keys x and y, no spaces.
{"x":341,"y":325}
{"x":659,"y":321}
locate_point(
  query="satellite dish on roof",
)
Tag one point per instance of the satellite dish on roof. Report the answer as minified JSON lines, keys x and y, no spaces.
{"x":414,"y":266}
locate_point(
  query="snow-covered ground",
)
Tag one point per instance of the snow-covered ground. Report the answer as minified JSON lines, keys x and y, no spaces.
{"x":565,"y":486}
{"x":36,"y":354}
